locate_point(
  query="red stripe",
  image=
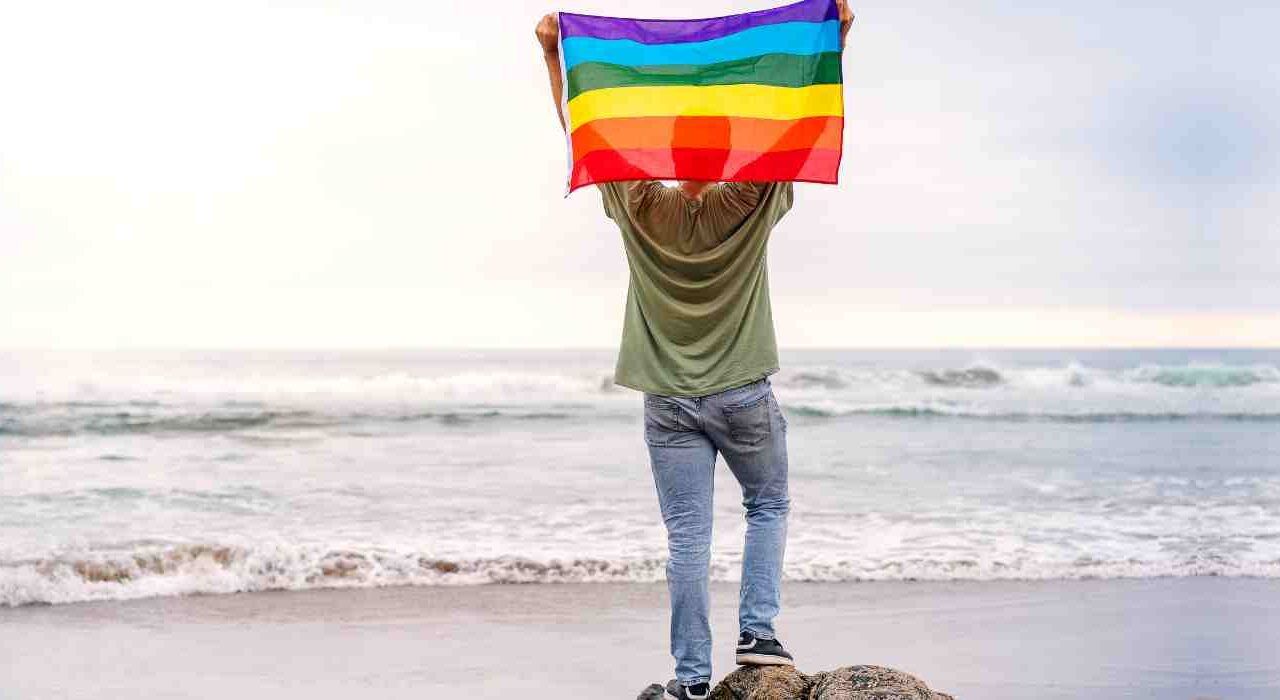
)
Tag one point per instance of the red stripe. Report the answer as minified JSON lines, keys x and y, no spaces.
{"x":741,"y":133}
{"x":718,"y":164}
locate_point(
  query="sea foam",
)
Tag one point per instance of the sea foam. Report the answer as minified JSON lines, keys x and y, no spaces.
{"x":216,"y":569}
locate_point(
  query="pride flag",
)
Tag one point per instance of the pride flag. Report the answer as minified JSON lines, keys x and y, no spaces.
{"x":756,"y":96}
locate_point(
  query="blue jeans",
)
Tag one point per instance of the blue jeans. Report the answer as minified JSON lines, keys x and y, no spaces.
{"x":684,"y":434}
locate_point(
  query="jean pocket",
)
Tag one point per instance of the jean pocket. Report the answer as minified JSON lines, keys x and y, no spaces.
{"x":777,"y":409}
{"x":749,"y":422}
{"x":661,"y":421}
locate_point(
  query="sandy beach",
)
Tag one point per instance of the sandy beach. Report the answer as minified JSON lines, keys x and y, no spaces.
{"x":1206,"y":637}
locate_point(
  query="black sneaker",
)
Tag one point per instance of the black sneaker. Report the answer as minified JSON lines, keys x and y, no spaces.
{"x":762,"y":652}
{"x":697,"y":691}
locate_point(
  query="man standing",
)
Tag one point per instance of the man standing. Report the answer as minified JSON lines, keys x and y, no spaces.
{"x":698,"y":341}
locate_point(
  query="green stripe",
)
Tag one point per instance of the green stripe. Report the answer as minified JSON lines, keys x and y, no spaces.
{"x":781,"y":70}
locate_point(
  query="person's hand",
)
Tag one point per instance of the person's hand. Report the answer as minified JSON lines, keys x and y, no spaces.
{"x":548,"y":33}
{"x":846,"y":20}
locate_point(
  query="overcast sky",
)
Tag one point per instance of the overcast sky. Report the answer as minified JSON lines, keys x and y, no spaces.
{"x":373,"y":173}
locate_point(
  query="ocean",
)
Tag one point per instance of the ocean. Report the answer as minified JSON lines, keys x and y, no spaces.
{"x":137,"y":474}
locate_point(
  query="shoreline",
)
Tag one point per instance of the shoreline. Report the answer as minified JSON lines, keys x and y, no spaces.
{"x":1195,"y":637}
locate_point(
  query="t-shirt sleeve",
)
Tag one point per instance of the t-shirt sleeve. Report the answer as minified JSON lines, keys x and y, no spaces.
{"x":726,"y":207}
{"x":733,"y":201}
{"x":649,"y":203}
{"x":785,"y":192}
{"x":613,"y":195}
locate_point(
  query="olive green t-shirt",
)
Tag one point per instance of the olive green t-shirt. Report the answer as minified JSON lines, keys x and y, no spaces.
{"x":698,"y":318}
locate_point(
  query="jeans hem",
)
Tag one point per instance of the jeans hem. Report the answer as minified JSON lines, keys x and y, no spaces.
{"x":695,"y":681}
{"x":759,"y":635}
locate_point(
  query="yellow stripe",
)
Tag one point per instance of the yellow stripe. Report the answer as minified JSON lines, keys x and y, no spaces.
{"x":758,"y":101}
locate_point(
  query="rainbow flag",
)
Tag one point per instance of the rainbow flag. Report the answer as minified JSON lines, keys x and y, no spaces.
{"x":756,"y":96}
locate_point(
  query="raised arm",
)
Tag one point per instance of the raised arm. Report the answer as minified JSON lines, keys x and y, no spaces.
{"x":846,"y":20}
{"x":548,"y":33}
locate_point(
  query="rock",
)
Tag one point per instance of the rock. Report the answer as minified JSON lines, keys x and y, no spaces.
{"x":787,"y":683}
{"x":870,"y":683}
{"x":762,"y":683}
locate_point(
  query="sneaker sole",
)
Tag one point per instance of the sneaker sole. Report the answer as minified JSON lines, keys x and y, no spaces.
{"x":666,"y":695}
{"x":764,"y":660}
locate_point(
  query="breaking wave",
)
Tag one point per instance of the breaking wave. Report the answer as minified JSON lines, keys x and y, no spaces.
{"x":238,"y":404}
{"x":1211,"y":376}
{"x":974,"y":376}
{"x":1204,"y":376}
{"x":56,"y":420}
{"x":217,"y":569}
{"x":941,"y":411}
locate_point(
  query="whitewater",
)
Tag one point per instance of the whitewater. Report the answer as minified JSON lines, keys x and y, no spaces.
{"x":137,"y":474}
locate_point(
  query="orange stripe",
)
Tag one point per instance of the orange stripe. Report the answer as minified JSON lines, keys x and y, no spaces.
{"x":804,"y":165}
{"x":737,"y":133}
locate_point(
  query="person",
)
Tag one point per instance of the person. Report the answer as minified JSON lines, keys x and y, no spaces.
{"x":698,"y":342}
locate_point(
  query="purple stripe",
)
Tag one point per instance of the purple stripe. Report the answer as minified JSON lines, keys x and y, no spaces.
{"x":674,"y":31}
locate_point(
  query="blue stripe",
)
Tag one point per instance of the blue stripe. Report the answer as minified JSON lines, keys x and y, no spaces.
{"x":796,"y":38}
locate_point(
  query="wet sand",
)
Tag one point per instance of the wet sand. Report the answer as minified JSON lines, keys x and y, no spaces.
{"x":1167,"y":638}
